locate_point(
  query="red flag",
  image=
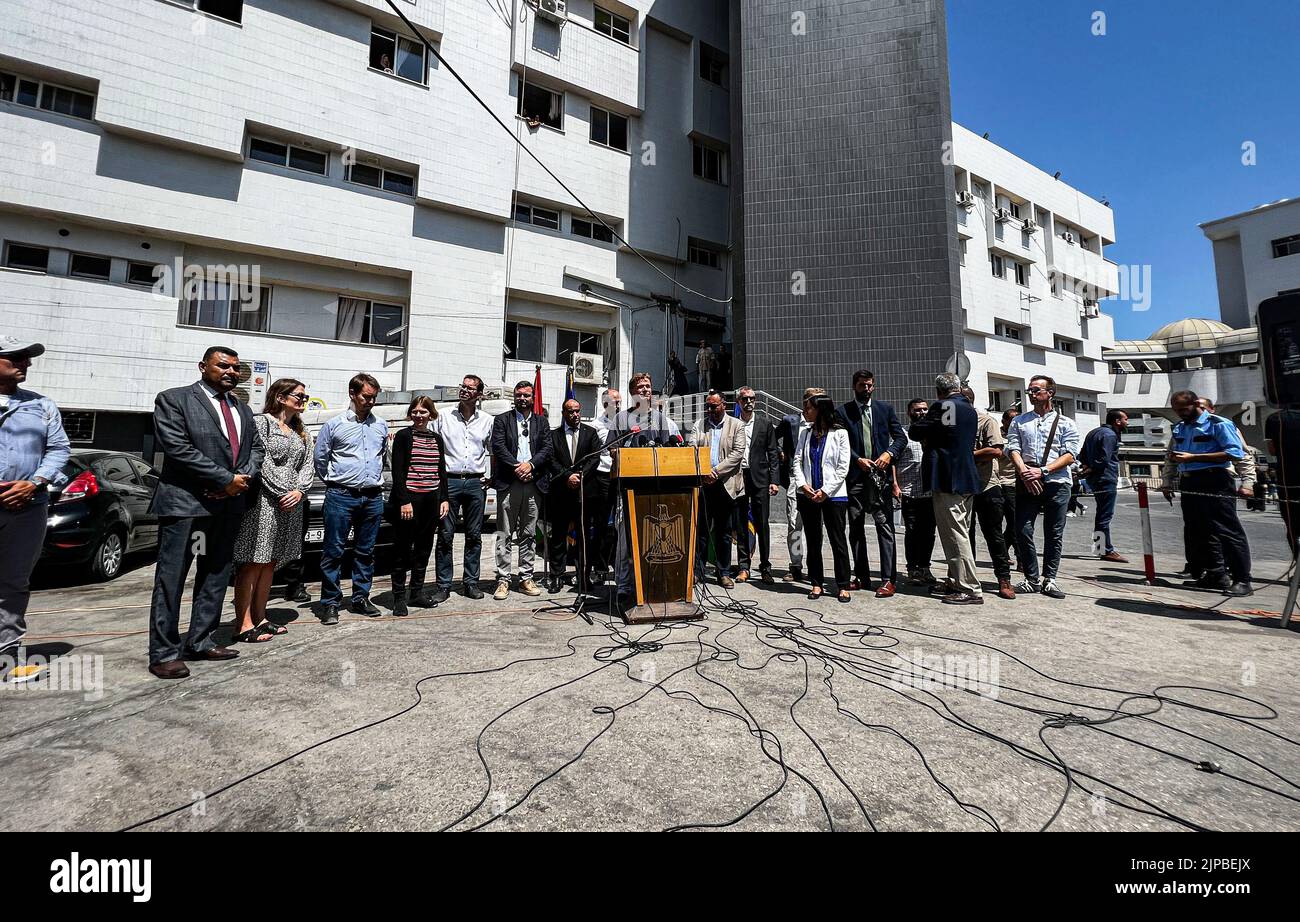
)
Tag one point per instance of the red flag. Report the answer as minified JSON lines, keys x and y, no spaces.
{"x":537,"y":392}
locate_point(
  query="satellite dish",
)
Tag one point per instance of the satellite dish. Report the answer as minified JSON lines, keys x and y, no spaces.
{"x":958,"y":364}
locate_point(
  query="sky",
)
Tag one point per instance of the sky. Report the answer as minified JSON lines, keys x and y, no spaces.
{"x":1152,"y":115}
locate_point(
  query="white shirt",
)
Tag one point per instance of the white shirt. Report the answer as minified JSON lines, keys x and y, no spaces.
{"x":466,"y":442}
{"x":749,"y":432}
{"x":524,"y":452}
{"x":603,"y":424}
{"x":216,"y":408}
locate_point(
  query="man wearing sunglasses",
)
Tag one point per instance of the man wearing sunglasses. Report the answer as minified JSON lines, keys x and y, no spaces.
{"x":1042,"y":444}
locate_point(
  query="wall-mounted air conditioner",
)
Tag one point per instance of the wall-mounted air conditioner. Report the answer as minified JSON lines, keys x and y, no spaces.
{"x":588,"y":368}
{"x":965,"y":199}
{"x":1003,"y":215}
{"x":253,"y":380}
{"x":1068,"y":238}
{"x":1091,"y":310}
{"x":554,"y":10}
{"x":1030,"y":226}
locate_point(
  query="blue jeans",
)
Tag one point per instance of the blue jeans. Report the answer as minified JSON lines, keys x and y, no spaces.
{"x":1105,"y":497}
{"x":466,"y":497}
{"x":1052,"y":503}
{"x":344,"y":511}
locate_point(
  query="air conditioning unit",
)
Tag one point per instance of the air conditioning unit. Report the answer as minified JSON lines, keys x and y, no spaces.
{"x":1003,"y":215}
{"x":1091,"y":310}
{"x":554,"y":10}
{"x":253,"y":380}
{"x":1030,"y":226}
{"x":588,"y":368}
{"x":965,"y":199}
{"x":1068,"y":237}
{"x":1192,"y":363}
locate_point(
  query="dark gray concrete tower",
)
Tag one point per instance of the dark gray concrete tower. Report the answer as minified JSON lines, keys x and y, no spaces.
{"x":845,"y":240}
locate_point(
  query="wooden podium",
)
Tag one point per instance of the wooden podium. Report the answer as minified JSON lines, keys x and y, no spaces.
{"x":660,"y":493}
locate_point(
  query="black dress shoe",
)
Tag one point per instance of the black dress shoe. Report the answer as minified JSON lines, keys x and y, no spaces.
{"x":1239,"y":589}
{"x":436,"y":597}
{"x":296,"y":592}
{"x":329,"y":614}
{"x":554,"y":584}
{"x":216,"y":653}
{"x":172,"y":669}
{"x":363,"y":606}
{"x":472,"y":591}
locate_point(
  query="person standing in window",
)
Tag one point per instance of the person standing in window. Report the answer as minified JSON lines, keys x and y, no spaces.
{"x":271,"y":530}
{"x":821,"y":472}
{"x":33,"y":450}
{"x":417,"y":504}
{"x":349,"y":457}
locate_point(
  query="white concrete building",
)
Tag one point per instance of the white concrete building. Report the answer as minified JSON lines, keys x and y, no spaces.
{"x":1256,"y":257}
{"x":1033,"y":274}
{"x":376,"y":218}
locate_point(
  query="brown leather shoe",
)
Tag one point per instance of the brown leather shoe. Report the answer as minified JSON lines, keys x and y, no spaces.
{"x":886,"y":590}
{"x":216,"y":653}
{"x":1004,"y":589}
{"x":963,"y":598}
{"x":742,"y":576}
{"x":726,"y":582}
{"x":172,"y":669}
{"x":1114,"y":557}
{"x":855,"y":585}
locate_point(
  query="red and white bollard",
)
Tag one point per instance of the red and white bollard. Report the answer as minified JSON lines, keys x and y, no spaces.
{"x":1148,"y":557}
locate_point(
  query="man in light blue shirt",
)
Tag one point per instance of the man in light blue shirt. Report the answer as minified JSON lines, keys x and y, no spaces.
{"x":33,"y":451}
{"x":1042,"y":444}
{"x":349,"y":457}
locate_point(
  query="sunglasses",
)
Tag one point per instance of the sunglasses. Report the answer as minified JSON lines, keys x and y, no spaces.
{"x":301,"y":398}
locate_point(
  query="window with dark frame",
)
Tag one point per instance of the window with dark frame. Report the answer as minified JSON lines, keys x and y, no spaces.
{"x":704,"y":256}
{"x":714,"y":65}
{"x":592,"y":230}
{"x":79,"y":425}
{"x":376,"y":177}
{"x":997,"y":266}
{"x":709,"y":163}
{"x":232,"y":10}
{"x":27,"y":257}
{"x":1022,"y":274}
{"x":48,"y":96}
{"x":397,"y":55}
{"x":524,"y":341}
{"x":615,"y":26}
{"x":609,"y":129}
{"x":568,"y":343}
{"x":218,"y":307}
{"x":538,"y":104}
{"x":537,"y":216}
{"x":289,"y":155}
{"x":1286,"y":246}
{"x":143,"y":274}
{"x":373,"y":323}
{"x":89,"y":266}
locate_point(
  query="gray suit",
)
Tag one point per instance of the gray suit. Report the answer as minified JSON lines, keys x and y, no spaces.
{"x":197,"y":459}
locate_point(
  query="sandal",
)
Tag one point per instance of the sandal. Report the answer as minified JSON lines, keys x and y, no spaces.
{"x":844,"y":596}
{"x":815,"y":594}
{"x":253,"y":635}
{"x":270,"y":627}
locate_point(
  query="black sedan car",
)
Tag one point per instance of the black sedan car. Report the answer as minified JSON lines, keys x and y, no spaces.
{"x":102,"y":513}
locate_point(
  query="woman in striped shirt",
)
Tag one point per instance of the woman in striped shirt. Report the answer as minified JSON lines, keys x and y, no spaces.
{"x":417,"y":503}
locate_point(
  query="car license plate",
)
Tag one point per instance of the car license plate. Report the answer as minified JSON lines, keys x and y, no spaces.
{"x":315,"y":535}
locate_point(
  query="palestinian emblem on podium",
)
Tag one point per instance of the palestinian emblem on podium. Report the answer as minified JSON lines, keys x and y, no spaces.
{"x":665,"y":537}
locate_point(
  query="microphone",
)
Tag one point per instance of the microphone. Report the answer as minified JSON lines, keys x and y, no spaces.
{"x":676,"y":441}
{"x":635,"y":430}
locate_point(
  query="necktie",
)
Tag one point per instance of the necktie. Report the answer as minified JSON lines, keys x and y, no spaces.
{"x":230,"y":427}
{"x":573,"y":445}
{"x":866,"y":431}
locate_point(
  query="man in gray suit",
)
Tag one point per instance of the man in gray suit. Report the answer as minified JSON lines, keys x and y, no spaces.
{"x":211,"y":457}
{"x":724,"y":437}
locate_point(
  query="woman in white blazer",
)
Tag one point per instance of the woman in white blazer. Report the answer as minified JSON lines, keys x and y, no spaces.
{"x":820,"y":472}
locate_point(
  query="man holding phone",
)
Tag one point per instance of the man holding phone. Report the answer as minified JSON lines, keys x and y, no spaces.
{"x":1042,"y":444}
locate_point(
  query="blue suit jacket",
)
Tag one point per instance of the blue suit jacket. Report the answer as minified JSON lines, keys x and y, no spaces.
{"x":886,"y":433}
{"x":948,"y":465}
